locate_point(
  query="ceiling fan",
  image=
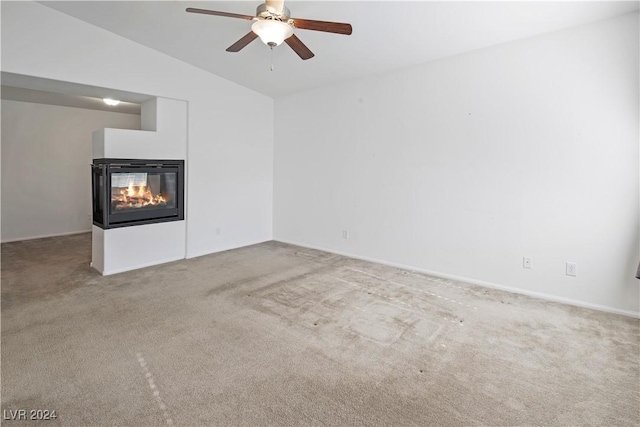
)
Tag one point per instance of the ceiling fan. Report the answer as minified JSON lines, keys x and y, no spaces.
{"x":274,"y":25}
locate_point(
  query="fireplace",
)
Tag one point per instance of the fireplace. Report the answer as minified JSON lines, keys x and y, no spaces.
{"x":135,"y":192}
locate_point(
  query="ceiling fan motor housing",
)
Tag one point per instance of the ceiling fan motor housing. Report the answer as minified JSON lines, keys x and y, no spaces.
{"x":264,"y":13}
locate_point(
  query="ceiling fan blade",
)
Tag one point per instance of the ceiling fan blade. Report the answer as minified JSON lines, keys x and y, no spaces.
{"x":248,"y":38}
{"x":275,"y":6}
{"x":215,"y":12}
{"x":298,"y":47}
{"x":327,"y":27}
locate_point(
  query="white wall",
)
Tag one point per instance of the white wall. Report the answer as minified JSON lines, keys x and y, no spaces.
{"x":463,"y":166}
{"x":46,"y":153}
{"x":230,"y":169}
{"x":165,"y":140}
{"x":130,"y":248}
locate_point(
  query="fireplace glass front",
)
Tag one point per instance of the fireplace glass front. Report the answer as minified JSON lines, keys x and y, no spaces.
{"x":135,"y":192}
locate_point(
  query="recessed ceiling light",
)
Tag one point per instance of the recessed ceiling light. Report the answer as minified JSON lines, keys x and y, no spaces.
{"x":112,"y":102}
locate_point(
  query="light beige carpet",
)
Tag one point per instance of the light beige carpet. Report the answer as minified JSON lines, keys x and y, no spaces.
{"x":274,"y":334}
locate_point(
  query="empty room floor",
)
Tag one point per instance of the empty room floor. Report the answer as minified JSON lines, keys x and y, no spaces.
{"x":274,"y":334}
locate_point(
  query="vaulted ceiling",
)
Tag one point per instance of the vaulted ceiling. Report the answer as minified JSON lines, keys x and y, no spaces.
{"x":387,"y":35}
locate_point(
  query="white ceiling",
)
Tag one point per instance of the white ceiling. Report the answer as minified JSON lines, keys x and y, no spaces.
{"x":76,"y":101}
{"x":387,"y":35}
{"x":67,"y":88}
{"x":18,"y":87}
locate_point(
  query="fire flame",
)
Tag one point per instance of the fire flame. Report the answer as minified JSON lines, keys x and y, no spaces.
{"x":137,"y":197}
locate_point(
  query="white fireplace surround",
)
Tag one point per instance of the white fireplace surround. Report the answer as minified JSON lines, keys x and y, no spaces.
{"x":163,"y":136}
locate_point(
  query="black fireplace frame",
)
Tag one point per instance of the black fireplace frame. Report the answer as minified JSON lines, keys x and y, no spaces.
{"x":104,"y":218}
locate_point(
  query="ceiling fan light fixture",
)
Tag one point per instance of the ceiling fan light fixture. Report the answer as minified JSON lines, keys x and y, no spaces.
{"x":272,"y":32}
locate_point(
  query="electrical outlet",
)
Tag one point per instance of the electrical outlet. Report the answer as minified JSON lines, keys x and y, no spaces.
{"x":218,"y":231}
{"x":345,"y":234}
{"x":572,"y":269}
{"x":527,"y":262}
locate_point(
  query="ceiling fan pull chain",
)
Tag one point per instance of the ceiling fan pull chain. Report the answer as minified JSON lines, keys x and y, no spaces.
{"x":271,"y":47}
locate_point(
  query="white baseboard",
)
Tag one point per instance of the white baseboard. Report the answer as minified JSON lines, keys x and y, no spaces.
{"x":540,"y":295}
{"x":191,"y":255}
{"x":44,"y":236}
